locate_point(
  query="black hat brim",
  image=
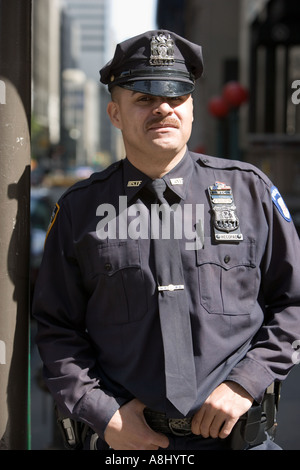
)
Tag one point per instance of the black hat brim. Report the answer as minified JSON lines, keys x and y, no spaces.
{"x":168,"y":88}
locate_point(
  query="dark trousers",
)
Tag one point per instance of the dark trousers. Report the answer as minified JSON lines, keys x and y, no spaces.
{"x":193,"y":442}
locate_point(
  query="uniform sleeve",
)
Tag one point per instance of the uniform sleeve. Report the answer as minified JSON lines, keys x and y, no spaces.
{"x":271,"y":353}
{"x":59,"y":306}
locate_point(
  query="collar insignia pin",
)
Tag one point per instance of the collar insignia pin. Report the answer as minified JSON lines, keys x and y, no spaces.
{"x":175,"y":181}
{"x":133,"y":184}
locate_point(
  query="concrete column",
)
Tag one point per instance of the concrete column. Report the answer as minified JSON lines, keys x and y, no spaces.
{"x":15,"y":106}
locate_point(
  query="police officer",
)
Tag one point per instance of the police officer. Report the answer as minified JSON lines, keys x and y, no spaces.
{"x":97,"y":301}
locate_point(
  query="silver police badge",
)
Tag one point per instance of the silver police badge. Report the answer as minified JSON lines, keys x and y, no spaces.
{"x":226,"y":222}
{"x":162,"y":50}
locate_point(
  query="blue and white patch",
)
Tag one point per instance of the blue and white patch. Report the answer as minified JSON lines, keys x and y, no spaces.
{"x":280,"y":204}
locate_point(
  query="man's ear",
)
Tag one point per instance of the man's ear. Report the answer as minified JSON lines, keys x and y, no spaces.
{"x":114,"y":114}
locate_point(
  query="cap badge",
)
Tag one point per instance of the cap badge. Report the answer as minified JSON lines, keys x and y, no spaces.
{"x":162,"y":50}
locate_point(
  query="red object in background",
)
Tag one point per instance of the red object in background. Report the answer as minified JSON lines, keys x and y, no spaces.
{"x":199,"y":149}
{"x":235,"y":94}
{"x":218,"y":107}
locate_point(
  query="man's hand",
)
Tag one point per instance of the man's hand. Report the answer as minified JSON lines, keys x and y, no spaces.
{"x":128,"y":430}
{"x":222,"y":409}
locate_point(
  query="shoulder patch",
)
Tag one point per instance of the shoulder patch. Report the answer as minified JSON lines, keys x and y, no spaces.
{"x":52,"y":220}
{"x":280,"y":204}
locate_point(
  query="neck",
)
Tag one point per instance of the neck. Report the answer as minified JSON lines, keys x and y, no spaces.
{"x":156,"y":166}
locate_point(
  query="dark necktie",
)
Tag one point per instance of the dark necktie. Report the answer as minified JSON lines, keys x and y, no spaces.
{"x":173,"y":311}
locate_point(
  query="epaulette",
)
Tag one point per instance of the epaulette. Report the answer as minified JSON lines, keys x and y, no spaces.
{"x":228,"y":164}
{"x":97,"y":176}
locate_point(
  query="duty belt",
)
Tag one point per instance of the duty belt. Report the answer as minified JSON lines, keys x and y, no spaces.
{"x":160,"y":423}
{"x":250,"y":429}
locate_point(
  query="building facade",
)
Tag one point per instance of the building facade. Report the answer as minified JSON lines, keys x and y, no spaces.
{"x":45,"y":73}
{"x":71,"y":41}
{"x":257,"y":44}
{"x":271,"y":128}
{"x":85,"y":36}
{"x":91,"y":19}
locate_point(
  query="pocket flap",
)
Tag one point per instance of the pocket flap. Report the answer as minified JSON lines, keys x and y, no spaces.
{"x":228,"y":255}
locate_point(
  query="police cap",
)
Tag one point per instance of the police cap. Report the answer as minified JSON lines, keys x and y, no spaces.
{"x":158,"y":63}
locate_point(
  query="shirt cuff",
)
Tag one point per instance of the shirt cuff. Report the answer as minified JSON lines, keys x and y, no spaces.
{"x":253,"y":377}
{"x":97,"y":408}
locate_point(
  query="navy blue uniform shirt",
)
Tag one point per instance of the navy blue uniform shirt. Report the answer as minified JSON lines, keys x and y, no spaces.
{"x":96,"y":296}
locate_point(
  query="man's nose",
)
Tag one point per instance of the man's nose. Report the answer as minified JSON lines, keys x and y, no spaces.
{"x":163,"y":107}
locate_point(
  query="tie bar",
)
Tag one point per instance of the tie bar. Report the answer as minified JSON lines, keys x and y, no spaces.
{"x":171,"y":287}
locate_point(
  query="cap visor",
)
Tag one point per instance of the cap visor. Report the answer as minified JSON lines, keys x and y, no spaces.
{"x":168,"y":88}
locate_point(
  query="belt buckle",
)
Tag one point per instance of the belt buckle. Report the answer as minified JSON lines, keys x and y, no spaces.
{"x":180,"y":427}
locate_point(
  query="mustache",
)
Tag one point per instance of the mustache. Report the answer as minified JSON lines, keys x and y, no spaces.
{"x":163,"y":122}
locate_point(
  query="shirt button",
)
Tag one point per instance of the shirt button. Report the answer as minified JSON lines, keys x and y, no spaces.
{"x":227,"y":259}
{"x":108,"y":267}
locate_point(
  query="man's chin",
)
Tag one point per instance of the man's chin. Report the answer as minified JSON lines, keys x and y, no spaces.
{"x":165,"y":145}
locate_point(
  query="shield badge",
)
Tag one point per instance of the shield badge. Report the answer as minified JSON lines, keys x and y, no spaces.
{"x":226,"y":223}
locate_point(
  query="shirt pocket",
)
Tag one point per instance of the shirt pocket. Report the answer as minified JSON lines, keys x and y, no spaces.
{"x":228,"y":278}
{"x":115,"y":281}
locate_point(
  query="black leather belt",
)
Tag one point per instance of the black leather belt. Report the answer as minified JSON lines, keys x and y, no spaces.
{"x":160,"y":423}
{"x":250,"y":429}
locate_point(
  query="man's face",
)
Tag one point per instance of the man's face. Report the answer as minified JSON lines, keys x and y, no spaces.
{"x":152,"y":124}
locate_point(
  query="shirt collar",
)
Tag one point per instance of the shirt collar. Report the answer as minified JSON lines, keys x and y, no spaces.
{"x":177,"y":179}
{"x":134,"y":179}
